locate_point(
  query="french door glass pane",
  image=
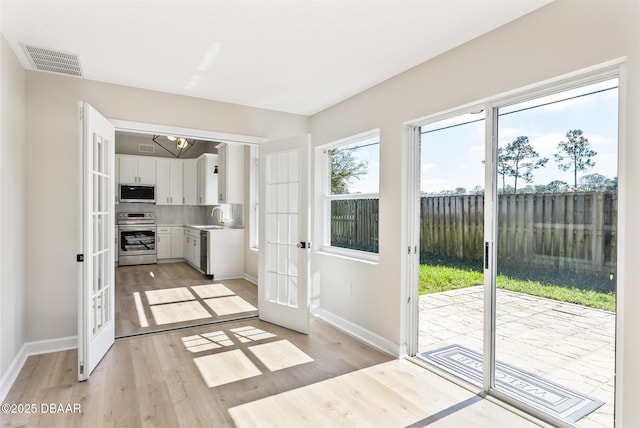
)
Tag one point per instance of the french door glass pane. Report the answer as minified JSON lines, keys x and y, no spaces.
{"x":282,"y":228}
{"x":556,"y":252}
{"x":451,"y":244}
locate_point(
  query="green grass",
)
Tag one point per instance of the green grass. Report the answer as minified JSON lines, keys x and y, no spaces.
{"x":446,"y":273}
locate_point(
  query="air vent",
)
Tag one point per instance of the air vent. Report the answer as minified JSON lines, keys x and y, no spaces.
{"x":146,"y":148}
{"x":44,"y":59}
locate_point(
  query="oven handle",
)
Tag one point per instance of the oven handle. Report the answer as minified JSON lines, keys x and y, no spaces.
{"x":129,"y":228}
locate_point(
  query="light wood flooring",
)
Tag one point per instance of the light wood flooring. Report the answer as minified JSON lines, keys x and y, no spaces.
{"x":247,"y":374}
{"x":162,"y":296}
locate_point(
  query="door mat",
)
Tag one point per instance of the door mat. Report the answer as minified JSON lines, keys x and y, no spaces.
{"x":559,"y":401}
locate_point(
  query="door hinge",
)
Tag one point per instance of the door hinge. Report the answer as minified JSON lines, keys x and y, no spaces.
{"x":409,"y":249}
{"x":303,"y":245}
{"x":79,"y":258}
{"x":82,"y":367}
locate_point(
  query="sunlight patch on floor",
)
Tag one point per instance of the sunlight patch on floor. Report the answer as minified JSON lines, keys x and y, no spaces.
{"x":226,"y":367}
{"x":229,"y":305}
{"x":142,"y":317}
{"x":280,"y":355}
{"x":169,"y":295}
{"x":178,"y":312}
{"x":251,"y":334}
{"x":206,"y":341}
{"x":212,"y":290}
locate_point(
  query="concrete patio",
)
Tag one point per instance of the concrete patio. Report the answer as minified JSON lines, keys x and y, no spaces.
{"x":568,"y":344}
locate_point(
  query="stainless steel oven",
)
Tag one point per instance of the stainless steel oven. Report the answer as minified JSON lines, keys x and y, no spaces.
{"x":137,"y":239}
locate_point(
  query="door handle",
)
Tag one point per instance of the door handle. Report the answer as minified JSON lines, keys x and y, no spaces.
{"x":486,"y":255}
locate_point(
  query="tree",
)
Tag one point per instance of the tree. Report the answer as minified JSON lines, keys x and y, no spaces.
{"x":597,"y":182}
{"x":575,"y":154}
{"x":518,"y":160}
{"x":344,"y":169}
{"x":556,"y":186}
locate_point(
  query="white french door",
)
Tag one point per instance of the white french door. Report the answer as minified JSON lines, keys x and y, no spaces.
{"x":283,"y":285}
{"x":96,"y":332}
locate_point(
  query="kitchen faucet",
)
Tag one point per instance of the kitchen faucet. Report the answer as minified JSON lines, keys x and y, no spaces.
{"x":213,"y":210}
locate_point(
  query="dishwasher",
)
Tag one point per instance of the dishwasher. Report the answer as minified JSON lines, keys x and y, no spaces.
{"x":204,"y":253}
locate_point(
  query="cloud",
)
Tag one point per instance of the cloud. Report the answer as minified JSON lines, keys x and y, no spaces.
{"x":547,"y":144}
{"x":433,"y":184}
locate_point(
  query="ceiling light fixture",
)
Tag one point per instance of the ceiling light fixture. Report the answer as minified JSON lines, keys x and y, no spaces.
{"x":183,"y":144}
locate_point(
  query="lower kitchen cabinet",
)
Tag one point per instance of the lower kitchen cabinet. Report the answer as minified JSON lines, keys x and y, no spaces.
{"x":191,"y":247}
{"x":169,"y":242}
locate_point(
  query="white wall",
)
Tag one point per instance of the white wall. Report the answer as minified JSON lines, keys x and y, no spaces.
{"x":560,"y":38}
{"x":52,"y":178}
{"x":12,"y":207}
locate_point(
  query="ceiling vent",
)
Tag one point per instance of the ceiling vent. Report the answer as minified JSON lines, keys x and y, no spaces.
{"x":146,"y":148}
{"x":45,"y":59}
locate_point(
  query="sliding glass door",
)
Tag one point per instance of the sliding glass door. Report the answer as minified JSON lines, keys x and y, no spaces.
{"x":557,"y":183}
{"x":517,"y":288}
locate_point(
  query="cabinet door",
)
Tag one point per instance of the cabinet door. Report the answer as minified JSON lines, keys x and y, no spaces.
{"x":207,"y":179}
{"x":163,"y":247}
{"x":163,"y":180}
{"x":186,"y":249}
{"x":190,"y":182}
{"x":175,"y":182}
{"x":168,"y":182}
{"x":146,"y":170}
{"x":128,"y":170}
{"x":196,"y":252}
{"x":177,"y":243}
{"x":231,"y":177}
{"x":223,"y":154}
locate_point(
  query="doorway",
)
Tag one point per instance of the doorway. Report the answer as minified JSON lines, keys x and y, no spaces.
{"x":174,"y":293}
{"x":518,"y":274}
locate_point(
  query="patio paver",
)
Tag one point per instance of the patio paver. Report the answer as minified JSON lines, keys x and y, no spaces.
{"x":568,"y":344}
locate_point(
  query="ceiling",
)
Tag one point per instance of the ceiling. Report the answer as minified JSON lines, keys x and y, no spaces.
{"x":297,"y":56}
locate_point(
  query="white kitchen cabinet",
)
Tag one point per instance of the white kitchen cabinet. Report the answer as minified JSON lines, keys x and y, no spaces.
{"x":192,"y":247}
{"x":169,"y":240}
{"x":190,"y":182}
{"x":137,"y":170}
{"x":226,"y":253}
{"x":207,"y":179}
{"x":231,"y":173}
{"x":168,"y":182}
{"x":163,"y":243}
{"x":176,"y":242}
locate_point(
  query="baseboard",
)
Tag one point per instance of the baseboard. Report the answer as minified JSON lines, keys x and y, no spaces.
{"x":29,"y":349}
{"x":250,"y":278}
{"x":360,"y":333}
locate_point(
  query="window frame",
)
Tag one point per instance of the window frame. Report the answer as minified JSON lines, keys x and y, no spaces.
{"x":327,"y":198}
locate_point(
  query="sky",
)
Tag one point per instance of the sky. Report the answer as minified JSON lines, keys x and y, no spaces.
{"x":452,"y":158}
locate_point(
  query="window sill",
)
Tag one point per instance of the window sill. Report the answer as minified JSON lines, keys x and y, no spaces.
{"x":353,"y":255}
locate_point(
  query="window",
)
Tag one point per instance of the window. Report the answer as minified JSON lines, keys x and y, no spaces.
{"x":351,"y":195}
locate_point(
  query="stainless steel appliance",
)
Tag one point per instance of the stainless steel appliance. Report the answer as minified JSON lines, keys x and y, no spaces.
{"x":204,"y":253}
{"x":136,"y":193}
{"x":137,"y":239}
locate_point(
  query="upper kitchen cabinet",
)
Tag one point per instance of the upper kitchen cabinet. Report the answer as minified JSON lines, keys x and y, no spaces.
{"x":190,"y":182}
{"x":208,"y":179}
{"x":231,"y":176}
{"x":168,"y":182}
{"x":137,"y":170}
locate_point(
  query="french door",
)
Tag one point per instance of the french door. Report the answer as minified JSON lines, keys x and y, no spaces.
{"x":96,"y":327}
{"x":283,"y":282}
{"x":518,"y":226}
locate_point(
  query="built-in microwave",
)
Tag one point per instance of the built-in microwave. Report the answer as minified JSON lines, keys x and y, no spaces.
{"x":135,"y":193}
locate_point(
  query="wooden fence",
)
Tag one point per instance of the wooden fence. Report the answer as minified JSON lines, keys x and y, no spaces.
{"x":572,"y":231}
{"x":354,"y":224}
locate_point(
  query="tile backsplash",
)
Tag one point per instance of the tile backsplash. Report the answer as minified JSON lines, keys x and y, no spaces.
{"x":187,"y":214}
